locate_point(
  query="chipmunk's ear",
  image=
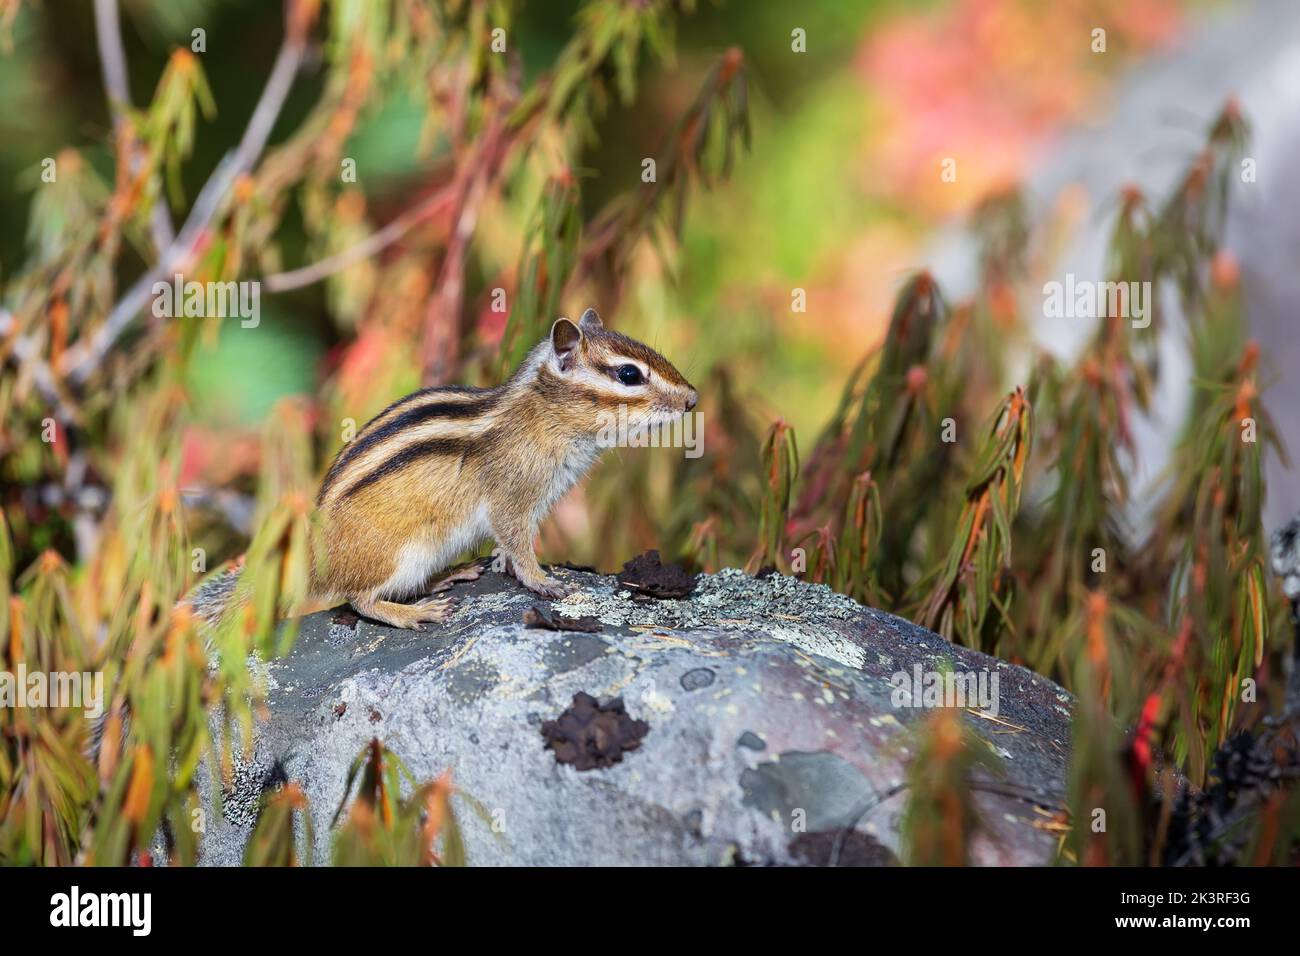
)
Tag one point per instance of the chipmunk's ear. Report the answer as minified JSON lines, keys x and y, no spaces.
{"x":590,"y":320}
{"x":565,"y":339}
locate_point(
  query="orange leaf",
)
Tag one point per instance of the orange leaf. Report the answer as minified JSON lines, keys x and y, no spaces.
{"x":139,"y":792}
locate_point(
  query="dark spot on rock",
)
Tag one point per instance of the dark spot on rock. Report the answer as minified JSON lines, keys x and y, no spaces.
{"x":751,"y":741}
{"x":737,"y":858}
{"x":822,"y":790}
{"x":697,"y":678}
{"x":346,"y":617}
{"x":375,"y":716}
{"x":275,"y":778}
{"x":546,"y":619}
{"x":591,"y":735}
{"x":841,"y":848}
{"x":694,"y":820}
{"x":573,"y":652}
{"x":340,"y":709}
{"x":647,"y":576}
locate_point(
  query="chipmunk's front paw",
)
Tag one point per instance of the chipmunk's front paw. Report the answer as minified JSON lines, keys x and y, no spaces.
{"x":549,"y":588}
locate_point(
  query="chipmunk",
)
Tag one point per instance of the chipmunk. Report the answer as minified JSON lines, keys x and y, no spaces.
{"x":446,"y":468}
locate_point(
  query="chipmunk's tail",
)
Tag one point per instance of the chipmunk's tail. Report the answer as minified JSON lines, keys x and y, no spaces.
{"x":207,"y":601}
{"x":211,"y":597}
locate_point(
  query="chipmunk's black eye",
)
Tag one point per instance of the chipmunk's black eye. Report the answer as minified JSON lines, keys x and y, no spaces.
{"x":629,"y":375}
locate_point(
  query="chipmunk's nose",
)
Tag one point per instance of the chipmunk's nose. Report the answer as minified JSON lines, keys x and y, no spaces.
{"x":692,"y":399}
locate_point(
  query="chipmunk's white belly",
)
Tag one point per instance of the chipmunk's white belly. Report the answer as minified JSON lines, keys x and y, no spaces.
{"x":419,"y":560}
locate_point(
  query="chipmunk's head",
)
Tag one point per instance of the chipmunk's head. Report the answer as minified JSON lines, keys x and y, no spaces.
{"x":607,"y":371}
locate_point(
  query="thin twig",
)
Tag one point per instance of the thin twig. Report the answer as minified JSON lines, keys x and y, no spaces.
{"x":82,"y":358}
{"x":112,"y":60}
{"x":442,"y":317}
{"x":372,"y":244}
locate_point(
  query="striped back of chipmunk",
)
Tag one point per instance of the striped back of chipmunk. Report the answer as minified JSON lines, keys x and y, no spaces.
{"x":448,"y":420}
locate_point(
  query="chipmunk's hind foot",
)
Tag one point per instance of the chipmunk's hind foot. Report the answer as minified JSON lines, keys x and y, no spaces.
{"x":411,"y":617}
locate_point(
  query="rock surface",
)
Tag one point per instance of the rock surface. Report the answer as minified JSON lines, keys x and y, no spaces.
{"x":772,"y":734}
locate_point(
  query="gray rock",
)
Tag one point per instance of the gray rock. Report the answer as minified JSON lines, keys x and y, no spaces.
{"x":773,"y":734}
{"x":1285,"y":553}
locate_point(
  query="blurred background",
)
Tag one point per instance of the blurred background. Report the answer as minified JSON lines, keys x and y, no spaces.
{"x":841,"y":195}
